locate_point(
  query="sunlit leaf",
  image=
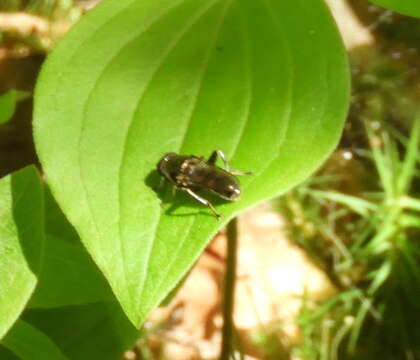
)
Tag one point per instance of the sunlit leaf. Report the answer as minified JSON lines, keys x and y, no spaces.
{"x":21,"y":241}
{"x":265,"y":81}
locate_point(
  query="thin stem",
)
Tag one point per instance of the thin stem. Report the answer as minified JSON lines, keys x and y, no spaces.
{"x":229,"y":290}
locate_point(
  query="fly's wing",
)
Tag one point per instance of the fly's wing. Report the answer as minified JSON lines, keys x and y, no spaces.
{"x":213,"y":179}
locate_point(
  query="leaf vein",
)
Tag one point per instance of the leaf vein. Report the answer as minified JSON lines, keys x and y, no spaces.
{"x":205,"y":68}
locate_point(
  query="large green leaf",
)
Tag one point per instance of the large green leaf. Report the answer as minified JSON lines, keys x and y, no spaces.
{"x":31,"y":344}
{"x":266,"y":81}
{"x":406,"y":7}
{"x":21,"y":241}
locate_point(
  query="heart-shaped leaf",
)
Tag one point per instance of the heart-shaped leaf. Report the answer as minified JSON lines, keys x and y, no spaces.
{"x":21,"y":241}
{"x":265,"y":81}
{"x":406,"y":7}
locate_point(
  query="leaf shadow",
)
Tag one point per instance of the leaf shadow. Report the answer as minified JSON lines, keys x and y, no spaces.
{"x":27,"y":212}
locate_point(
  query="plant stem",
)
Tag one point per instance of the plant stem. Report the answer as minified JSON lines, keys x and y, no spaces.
{"x":229,"y":289}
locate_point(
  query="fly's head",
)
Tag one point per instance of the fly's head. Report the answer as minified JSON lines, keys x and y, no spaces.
{"x":166,"y":164}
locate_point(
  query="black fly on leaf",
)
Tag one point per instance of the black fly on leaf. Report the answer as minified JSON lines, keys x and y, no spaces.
{"x":191,"y":173}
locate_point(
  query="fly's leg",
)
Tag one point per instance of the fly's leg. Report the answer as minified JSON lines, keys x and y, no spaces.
{"x":203,"y":201}
{"x":219,"y":153}
{"x":213,"y":157}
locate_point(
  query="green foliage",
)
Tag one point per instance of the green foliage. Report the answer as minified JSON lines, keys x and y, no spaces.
{"x":406,"y":7}
{"x":46,"y":8}
{"x":269,"y":342}
{"x":68,"y":277}
{"x":7,"y":106}
{"x":265,"y":81}
{"x":21,"y":242}
{"x":367,"y":249}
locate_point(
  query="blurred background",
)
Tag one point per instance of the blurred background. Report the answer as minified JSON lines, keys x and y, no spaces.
{"x":331,"y":270}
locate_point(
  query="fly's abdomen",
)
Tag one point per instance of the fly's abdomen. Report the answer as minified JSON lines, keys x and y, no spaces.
{"x":217,"y":181}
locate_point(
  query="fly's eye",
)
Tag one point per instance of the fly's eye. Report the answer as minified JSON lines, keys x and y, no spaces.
{"x":164,"y":163}
{"x":168,"y":156}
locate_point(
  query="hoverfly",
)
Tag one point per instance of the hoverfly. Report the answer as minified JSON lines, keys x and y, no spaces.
{"x":191,"y":173}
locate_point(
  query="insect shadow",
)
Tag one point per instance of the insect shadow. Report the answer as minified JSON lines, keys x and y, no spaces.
{"x":168,"y":194}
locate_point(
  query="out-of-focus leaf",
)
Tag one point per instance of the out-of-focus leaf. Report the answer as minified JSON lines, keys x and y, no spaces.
{"x":7,"y":106}
{"x":406,"y":7}
{"x":8,"y":103}
{"x":410,"y":161}
{"x":360,"y":206}
{"x":6,"y":354}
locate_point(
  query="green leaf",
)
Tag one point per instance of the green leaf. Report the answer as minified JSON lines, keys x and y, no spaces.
{"x":382,"y":162}
{"x":409,"y":203}
{"x":265,"y":81}
{"x":21,"y":241}
{"x":406,"y":7}
{"x":358,"y":205}
{"x":7,"y":106}
{"x":6,"y":354}
{"x":69,"y":276}
{"x":8,"y":103}
{"x":31,"y":344}
{"x":410,"y":161}
{"x":86,"y":332}
{"x":379,"y":277}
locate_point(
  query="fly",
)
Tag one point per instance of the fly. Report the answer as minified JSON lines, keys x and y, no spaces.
{"x":191,"y":173}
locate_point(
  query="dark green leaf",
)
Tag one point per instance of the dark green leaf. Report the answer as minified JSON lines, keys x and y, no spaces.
{"x":29,"y":343}
{"x":8,"y":103}
{"x":7,"y":106}
{"x":69,"y":276}
{"x":6,"y":354}
{"x":86,"y":332}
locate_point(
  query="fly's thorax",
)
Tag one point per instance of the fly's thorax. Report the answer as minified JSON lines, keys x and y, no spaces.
{"x":174,"y":167}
